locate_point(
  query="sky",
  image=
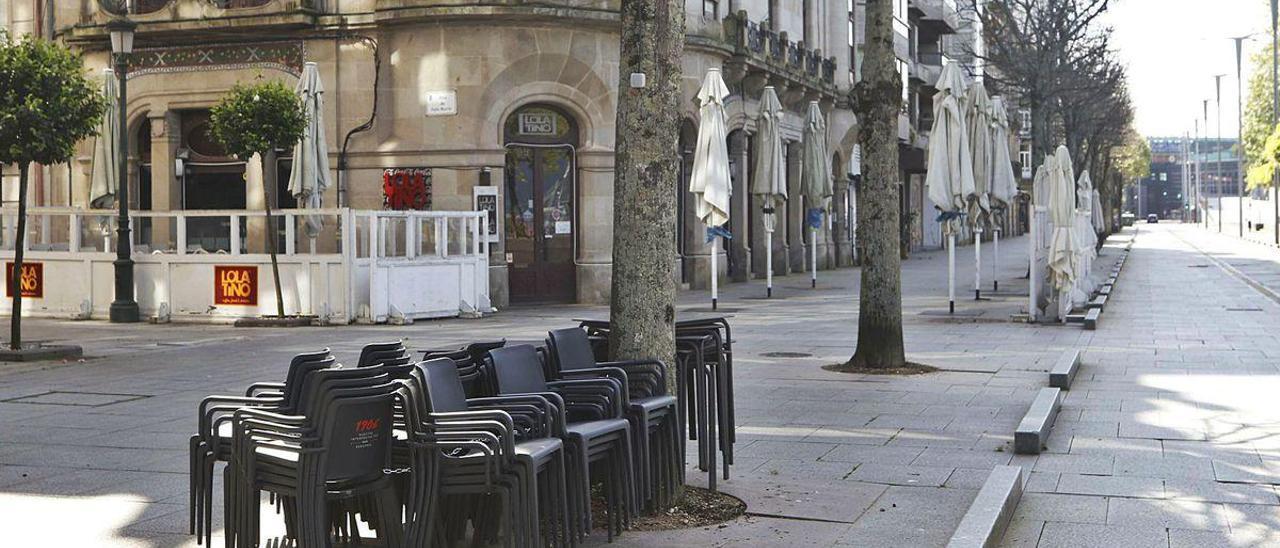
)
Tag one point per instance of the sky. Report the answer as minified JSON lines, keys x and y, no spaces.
{"x":1173,"y":48}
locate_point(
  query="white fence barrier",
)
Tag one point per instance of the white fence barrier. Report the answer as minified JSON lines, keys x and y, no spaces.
{"x":214,"y":264}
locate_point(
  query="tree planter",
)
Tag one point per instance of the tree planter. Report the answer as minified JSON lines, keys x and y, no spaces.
{"x":36,"y":352}
{"x":277,"y":321}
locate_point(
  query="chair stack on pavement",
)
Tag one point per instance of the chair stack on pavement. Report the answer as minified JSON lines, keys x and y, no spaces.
{"x":484,"y":443}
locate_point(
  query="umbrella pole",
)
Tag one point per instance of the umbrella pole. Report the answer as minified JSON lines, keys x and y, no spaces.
{"x":977,"y":257}
{"x":715,"y":279}
{"x":813,"y":251}
{"x":951,"y":271}
{"x":995,"y":260}
{"x":768,"y":267}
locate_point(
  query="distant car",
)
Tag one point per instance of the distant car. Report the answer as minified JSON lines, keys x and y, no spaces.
{"x":1127,"y":218}
{"x":1153,"y":218}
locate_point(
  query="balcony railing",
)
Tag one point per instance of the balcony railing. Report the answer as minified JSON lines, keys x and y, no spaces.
{"x":771,"y":48}
{"x":140,"y":7}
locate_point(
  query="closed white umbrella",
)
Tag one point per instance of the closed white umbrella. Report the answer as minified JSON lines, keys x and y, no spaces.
{"x":709,"y":181}
{"x":106,"y":156}
{"x":1003,"y":183}
{"x":950,"y":176}
{"x":309,"y":177}
{"x":815,"y":179}
{"x":1062,"y":245}
{"x":1084,"y":202}
{"x":1099,"y":221}
{"x":770,"y":181}
{"x":978,"y":117}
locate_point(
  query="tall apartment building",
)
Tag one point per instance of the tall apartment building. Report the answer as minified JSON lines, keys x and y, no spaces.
{"x":518,"y":96}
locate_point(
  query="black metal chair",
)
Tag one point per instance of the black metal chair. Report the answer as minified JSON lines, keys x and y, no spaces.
{"x":596,"y":434}
{"x":524,"y":445}
{"x":212,"y":442}
{"x":653,"y":414}
{"x":704,"y":359}
{"x":337,"y":450}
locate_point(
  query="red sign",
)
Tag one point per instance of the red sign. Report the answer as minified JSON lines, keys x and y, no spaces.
{"x":407,"y":188}
{"x":32,"y":280}
{"x":235,"y":285}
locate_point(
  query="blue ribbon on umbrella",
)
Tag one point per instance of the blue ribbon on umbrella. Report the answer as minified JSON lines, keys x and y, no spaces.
{"x":713,"y":231}
{"x":814,"y":218}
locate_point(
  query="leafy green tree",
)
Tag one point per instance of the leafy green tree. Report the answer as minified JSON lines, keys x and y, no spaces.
{"x":1133,"y":158}
{"x":47,"y":105}
{"x":260,"y":118}
{"x":1258,"y":122}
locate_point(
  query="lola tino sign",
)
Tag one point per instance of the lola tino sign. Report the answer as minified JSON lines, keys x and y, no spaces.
{"x":32,"y":280}
{"x":235,"y":285}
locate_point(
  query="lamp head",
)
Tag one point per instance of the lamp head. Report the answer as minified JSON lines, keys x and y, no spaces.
{"x":121,"y":31}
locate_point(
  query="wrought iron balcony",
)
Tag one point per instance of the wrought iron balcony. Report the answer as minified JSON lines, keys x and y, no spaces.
{"x":764,"y":49}
{"x":141,"y":7}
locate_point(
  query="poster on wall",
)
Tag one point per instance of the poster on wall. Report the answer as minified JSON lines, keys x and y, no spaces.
{"x":486,"y":199}
{"x":32,"y":280}
{"x":406,"y":189}
{"x":235,"y":285}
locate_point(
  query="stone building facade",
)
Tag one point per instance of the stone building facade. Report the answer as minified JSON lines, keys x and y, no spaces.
{"x":517,"y":96}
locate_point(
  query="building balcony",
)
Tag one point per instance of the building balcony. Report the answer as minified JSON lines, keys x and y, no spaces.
{"x":181,"y":19}
{"x":929,"y":67}
{"x":940,"y":15}
{"x":764,"y":57}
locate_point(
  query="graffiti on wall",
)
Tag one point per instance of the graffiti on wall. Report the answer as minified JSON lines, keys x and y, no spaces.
{"x":406,"y":188}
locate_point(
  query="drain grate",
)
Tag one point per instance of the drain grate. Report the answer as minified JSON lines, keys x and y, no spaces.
{"x":1198,"y":266}
{"x":76,"y":399}
{"x":1229,"y":309}
{"x":787,"y":355}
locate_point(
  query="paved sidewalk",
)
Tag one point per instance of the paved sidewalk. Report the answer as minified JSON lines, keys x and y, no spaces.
{"x":823,"y":459}
{"x":1169,"y":435}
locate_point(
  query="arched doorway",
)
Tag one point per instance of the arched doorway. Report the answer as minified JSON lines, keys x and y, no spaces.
{"x":541,"y":191}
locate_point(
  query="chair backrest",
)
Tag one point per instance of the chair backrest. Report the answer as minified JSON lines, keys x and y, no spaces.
{"x":571,"y":349}
{"x":370,"y":352}
{"x":479,"y":349}
{"x":443,"y":389}
{"x":317,"y":387}
{"x":517,"y":370}
{"x":356,"y":432}
{"x":296,"y":380}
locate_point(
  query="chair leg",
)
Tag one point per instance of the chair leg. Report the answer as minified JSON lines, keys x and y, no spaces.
{"x":389,"y":525}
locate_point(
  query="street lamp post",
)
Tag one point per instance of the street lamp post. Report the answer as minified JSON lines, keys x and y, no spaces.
{"x":1217,"y":164}
{"x":124,"y":309}
{"x":1240,"y":134}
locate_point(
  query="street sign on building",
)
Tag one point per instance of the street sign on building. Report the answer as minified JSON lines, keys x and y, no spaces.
{"x":442,"y":103}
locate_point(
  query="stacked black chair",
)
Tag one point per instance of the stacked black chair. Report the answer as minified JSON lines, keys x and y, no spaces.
{"x":379,"y":353}
{"x":598,"y":439}
{"x":337,"y":448}
{"x":212,"y":441}
{"x":472,"y":450}
{"x":470,"y":359}
{"x":653,"y":414}
{"x":704,"y":356}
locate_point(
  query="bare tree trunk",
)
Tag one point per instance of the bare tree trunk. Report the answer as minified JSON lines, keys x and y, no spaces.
{"x":642,"y":310}
{"x":270,"y":185}
{"x":19,"y":242}
{"x":876,"y":100}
